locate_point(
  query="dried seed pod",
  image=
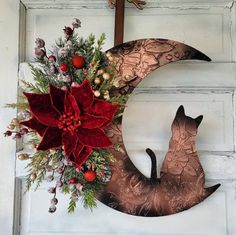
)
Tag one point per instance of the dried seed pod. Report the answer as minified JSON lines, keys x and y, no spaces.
{"x":23,"y":156}
{"x":33,"y":176}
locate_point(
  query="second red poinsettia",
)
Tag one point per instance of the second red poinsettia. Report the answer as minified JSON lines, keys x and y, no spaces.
{"x":73,"y":119}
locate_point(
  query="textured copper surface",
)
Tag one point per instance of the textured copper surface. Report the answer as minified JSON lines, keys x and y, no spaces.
{"x":182,"y":180}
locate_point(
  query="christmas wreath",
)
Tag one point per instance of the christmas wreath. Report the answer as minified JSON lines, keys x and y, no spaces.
{"x":64,"y":115}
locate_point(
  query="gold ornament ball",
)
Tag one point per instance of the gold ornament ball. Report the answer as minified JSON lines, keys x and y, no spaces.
{"x":15,"y":121}
{"x":106,"y":76}
{"x":100,"y":72}
{"x":97,"y":93}
{"x":23,"y":156}
{"x":97,"y":80}
{"x":33,"y":176}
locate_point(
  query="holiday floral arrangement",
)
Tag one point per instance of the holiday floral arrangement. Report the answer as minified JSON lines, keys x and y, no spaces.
{"x":64,"y":114}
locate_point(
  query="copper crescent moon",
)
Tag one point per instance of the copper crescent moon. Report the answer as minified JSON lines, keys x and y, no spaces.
{"x":182,"y":180}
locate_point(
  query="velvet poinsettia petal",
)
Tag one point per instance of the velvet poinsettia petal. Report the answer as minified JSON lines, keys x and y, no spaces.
{"x":81,"y":158}
{"x":35,"y":125}
{"x":42,"y":109}
{"x":71,"y":106}
{"x":90,"y":121}
{"x":84,"y":95}
{"x":81,"y":155}
{"x":51,"y":139}
{"x":69,"y":141}
{"x":104,"y":109}
{"x":94,"y":138}
{"x":57,"y":98}
{"x":78,"y":149}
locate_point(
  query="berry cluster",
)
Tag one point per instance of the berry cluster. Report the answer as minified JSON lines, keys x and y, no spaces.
{"x":15,"y":129}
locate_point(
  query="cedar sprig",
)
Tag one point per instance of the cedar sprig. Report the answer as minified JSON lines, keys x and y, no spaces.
{"x":72,"y":206}
{"x":19,"y":106}
{"x":88,"y":199}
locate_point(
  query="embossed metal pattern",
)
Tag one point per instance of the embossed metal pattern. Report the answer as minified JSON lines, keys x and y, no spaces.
{"x":181,"y":184}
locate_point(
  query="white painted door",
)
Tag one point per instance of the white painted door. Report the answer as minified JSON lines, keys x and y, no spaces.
{"x":203,"y":88}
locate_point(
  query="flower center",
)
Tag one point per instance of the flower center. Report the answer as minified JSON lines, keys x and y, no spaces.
{"x":68,"y":122}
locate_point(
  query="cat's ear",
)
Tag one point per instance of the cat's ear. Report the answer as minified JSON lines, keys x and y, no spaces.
{"x":180,"y":112}
{"x":198,"y":120}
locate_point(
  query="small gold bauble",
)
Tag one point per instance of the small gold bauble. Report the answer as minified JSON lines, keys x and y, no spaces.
{"x":97,"y":80}
{"x":100,"y":72}
{"x":106,"y":76}
{"x":11,"y":127}
{"x":15,"y":121}
{"x":97,"y":93}
{"x":33,"y":176}
{"x":23,"y":156}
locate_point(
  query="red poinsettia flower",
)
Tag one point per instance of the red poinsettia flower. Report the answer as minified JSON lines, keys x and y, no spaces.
{"x":73,"y":119}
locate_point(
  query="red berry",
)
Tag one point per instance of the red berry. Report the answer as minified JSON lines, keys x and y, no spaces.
{"x":68,"y":31}
{"x":78,"y":61}
{"x":52,"y":59}
{"x":90,"y":175}
{"x":73,"y":181}
{"x":7,"y":133}
{"x":17,"y":135}
{"x":64,"y":67}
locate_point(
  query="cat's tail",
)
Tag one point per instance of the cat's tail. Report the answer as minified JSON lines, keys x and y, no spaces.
{"x":211,"y":189}
{"x":152,"y":155}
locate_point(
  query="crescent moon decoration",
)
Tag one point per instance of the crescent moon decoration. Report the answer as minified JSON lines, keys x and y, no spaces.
{"x":73,"y":114}
{"x":181,"y":185}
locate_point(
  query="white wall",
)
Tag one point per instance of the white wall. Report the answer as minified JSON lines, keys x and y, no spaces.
{"x":9,"y":22}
